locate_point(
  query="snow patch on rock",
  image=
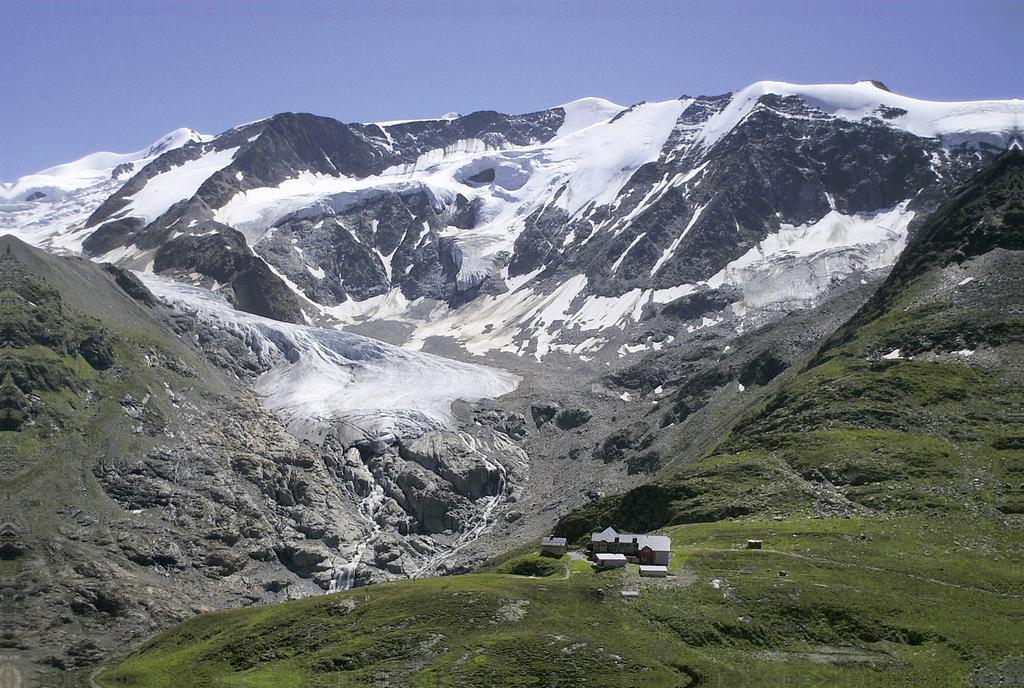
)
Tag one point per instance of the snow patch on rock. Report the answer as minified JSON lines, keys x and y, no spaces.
{"x":798,"y":263}
{"x":178,"y":183}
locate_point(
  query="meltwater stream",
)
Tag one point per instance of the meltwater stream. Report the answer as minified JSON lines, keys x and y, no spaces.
{"x":345,"y":576}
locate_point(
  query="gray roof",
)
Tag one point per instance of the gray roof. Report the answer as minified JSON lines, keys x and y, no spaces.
{"x":556,"y":541}
{"x":658,"y":543}
{"x":611,"y":557}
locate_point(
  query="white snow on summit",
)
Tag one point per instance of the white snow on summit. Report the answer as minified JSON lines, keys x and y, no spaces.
{"x":595,"y":152}
{"x":93,"y":168}
{"x":65,"y":195}
{"x":586,"y":165}
{"x":589,"y":165}
{"x":952,"y":122}
{"x":167,"y":188}
{"x":585,"y":112}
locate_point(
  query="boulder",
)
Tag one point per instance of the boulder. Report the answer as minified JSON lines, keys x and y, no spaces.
{"x":468,"y":471}
{"x":569,"y":418}
{"x":543,"y":412}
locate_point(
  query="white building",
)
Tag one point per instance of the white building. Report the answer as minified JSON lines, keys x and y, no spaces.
{"x":653,"y":550}
{"x":610,"y":561}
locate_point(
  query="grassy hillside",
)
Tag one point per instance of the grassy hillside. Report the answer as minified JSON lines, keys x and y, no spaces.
{"x":137,"y":478}
{"x":861,"y":602}
{"x":885,"y":479}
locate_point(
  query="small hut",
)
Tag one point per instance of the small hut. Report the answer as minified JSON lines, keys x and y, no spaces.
{"x":553,"y":546}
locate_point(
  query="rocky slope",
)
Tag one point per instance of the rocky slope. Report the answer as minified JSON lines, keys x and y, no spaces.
{"x":145,"y":480}
{"x":911,"y":406}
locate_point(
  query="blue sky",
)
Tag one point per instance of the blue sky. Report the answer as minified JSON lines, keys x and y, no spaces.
{"x":115,"y":75}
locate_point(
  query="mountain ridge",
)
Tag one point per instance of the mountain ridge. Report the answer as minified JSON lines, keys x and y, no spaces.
{"x":649,"y":235}
{"x":902,"y":322}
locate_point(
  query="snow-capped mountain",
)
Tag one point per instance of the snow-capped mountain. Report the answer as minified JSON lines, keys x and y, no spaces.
{"x":550,"y":231}
{"x":49,"y":208}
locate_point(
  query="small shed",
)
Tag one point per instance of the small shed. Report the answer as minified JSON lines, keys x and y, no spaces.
{"x":653,"y":571}
{"x":754,"y":544}
{"x":553,"y":546}
{"x":610,"y":561}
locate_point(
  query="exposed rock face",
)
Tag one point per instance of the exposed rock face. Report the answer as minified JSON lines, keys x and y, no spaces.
{"x":429,"y":500}
{"x":543,"y":412}
{"x":693,"y":306}
{"x":565,"y":418}
{"x":112,"y":235}
{"x":569,"y":418}
{"x":434,"y":483}
{"x":455,"y":458}
{"x":511,"y":424}
{"x":224,"y":257}
{"x":364,"y":251}
{"x":151,"y":483}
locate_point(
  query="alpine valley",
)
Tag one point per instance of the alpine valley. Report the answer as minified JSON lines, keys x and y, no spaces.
{"x":382,"y":360}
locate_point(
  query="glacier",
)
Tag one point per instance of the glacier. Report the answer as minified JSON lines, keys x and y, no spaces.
{"x":317,"y":379}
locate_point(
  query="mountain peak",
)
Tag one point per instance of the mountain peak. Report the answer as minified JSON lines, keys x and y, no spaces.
{"x":88,"y":170}
{"x":877,"y":84}
{"x":175,"y":139}
{"x":584,"y":112}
